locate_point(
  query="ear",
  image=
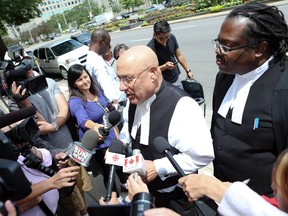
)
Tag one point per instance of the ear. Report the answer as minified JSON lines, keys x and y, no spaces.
{"x":261,"y":49}
{"x":153,"y":72}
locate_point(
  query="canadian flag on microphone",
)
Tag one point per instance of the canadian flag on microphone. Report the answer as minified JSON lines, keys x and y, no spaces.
{"x":134,"y":163}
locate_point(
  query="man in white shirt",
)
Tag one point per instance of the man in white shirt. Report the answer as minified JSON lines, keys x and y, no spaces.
{"x":102,"y":72}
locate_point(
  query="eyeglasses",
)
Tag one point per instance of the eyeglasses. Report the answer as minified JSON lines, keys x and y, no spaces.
{"x":127,"y":80}
{"x":226,"y":49}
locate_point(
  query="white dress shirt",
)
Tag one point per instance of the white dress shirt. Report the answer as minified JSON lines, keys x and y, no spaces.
{"x":188,"y":132}
{"x":239,"y":199}
{"x":104,"y":75}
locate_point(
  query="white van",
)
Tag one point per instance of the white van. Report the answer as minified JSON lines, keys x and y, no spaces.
{"x":58,"y":56}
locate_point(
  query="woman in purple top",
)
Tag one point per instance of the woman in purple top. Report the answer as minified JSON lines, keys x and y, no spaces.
{"x":89,"y":106}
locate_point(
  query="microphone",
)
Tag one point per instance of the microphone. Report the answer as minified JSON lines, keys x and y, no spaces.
{"x":114,"y":118}
{"x":161,"y":145}
{"x":115,"y":147}
{"x":82,"y":152}
{"x":135,"y":164}
{"x":16,"y":116}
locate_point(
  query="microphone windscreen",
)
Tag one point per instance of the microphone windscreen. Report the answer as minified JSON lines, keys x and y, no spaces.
{"x":161,"y":144}
{"x":116,"y":146}
{"x":90,"y":140}
{"x":16,"y":116}
{"x":114,"y":117}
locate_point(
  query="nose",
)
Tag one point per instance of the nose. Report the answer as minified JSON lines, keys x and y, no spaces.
{"x":122,"y":86}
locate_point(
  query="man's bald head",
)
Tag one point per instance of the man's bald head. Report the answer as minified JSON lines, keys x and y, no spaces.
{"x":139,"y":55}
{"x":139,"y":73}
{"x":100,"y":41}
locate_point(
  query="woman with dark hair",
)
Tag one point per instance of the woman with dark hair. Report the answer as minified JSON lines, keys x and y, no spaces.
{"x":88,"y":105}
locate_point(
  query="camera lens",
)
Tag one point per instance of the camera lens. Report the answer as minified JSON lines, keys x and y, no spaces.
{"x":141,"y":202}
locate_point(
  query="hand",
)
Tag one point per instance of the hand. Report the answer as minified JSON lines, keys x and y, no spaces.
{"x":197,"y":186}
{"x":113,"y":201}
{"x":64,"y":177}
{"x":169,"y":65}
{"x":30,"y":204}
{"x":190,"y":75}
{"x":45,"y":127}
{"x":160,"y":212}
{"x":135,"y":187}
{"x":151,"y":172}
{"x":10,"y":208}
{"x":19,"y":94}
{"x":61,"y":163}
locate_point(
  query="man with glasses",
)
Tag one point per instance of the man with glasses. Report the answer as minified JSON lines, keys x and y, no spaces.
{"x":250,"y":100}
{"x":166,"y":47}
{"x":158,"y":108}
{"x":101,"y":71}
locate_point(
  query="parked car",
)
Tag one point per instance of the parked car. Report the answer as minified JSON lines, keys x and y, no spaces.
{"x":156,"y":7}
{"x":83,"y":38}
{"x":58,"y":56}
{"x":125,"y":15}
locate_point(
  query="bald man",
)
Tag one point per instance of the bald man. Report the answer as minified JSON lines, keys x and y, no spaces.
{"x":157,"y":108}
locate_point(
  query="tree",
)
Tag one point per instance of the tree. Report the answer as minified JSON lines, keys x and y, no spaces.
{"x":128,"y":4}
{"x":16,"y":12}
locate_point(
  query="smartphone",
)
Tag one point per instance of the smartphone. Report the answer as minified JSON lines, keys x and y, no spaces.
{"x":175,"y":63}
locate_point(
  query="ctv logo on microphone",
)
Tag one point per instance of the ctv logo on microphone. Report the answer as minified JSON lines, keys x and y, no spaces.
{"x":134,"y":163}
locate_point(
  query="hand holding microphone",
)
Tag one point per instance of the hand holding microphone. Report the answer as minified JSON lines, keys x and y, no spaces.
{"x":114,"y":118}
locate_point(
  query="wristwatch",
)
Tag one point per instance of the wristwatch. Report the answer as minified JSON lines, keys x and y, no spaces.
{"x":188,"y":70}
{"x":55,"y":126}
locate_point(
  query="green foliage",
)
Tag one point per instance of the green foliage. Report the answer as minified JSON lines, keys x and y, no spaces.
{"x":16,"y":12}
{"x":10,"y":41}
{"x":131,"y":4}
{"x":215,"y":9}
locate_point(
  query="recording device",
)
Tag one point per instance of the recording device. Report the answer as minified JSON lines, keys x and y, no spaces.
{"x":114,"y":118}
{"x":162,"y":146}
{"x":16,"y":116}
{"x":14,"y":185}
{"x":16,"y":70}
{"x":116,"y":146}
{"x":175,"y":62}
{"x":82,"y":152}
{"x":141,"y":202}
{"x":135,"y":164}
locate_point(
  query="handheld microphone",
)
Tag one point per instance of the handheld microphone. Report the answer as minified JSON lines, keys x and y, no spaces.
{"x":116,"y":146}
{"x":82,"y":152}
{"x":16,"y":116}
{"x":161,"y":145}
{"x":135,"y":164}
{"x":114,"y":118}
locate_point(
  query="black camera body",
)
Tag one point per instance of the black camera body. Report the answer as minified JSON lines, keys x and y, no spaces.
{"x":16,"y":70}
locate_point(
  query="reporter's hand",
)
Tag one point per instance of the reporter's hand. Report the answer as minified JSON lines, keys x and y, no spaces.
{"x":160,"y":212}
{"x":64,"y":177}
{"x":10,"y":208}
{"x":61,"y":163}
{"x":197,"y":186}
{"x":135,"y":187}
{"x":30,"y":204}
{"x":113,"y":201}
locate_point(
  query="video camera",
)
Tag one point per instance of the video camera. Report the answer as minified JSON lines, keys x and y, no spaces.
{"x":16,"y":70}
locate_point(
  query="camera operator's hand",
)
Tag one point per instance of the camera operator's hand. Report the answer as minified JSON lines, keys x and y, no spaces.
{"x":10,"y":208}
{"x":64,"y":177}
{"x":135,"y":187}
{"x":19,"y":95}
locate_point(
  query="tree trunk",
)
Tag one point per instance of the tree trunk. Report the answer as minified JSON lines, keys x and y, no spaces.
{"x":3,"y":49}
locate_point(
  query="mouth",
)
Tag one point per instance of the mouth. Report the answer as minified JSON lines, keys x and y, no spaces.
{"x":219,"y":60}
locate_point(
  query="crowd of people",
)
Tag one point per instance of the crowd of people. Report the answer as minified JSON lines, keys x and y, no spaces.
{"x":247,"y":141}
